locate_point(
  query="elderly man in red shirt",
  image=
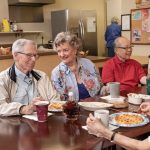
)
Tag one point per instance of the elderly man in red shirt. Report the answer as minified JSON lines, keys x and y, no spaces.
{"x":121,"y":68}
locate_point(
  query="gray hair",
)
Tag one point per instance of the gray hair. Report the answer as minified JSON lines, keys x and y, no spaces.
{"x":115,"y":20}
{"x":67,"y":37}
{"x":18,"y":45}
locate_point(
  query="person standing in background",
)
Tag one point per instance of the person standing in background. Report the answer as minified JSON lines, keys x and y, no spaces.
{"x":112,"y":32}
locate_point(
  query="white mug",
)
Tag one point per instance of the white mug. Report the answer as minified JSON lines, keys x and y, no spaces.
{"x":114,"y":88}
{"x":102,"y":114}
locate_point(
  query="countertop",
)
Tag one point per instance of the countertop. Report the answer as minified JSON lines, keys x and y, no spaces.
{"x":2,"y":57}
{"x":141,"y":59}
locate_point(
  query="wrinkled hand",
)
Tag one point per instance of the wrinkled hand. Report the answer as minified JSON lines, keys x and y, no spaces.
{"x":105,"y":90}
{"x":95,"y":126}
{"x":27,"y":109}
{"x":145,"y":108}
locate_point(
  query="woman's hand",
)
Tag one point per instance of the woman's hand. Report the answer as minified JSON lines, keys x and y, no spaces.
{"x":95,"y":126}
{"x":105,"y":90}
{"x":145,"y":108}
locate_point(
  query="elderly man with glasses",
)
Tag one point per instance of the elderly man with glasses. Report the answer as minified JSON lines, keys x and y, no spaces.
{"x":21,"y":86}
{"x":121,"y":68}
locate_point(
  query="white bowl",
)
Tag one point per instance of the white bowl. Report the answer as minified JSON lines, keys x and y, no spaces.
{"x":134,"y":99}
{"x":92,"y":106}
{"x":146,"y":98}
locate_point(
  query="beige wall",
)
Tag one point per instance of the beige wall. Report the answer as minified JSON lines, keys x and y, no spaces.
{"x":113,"y":9}
{"x":124,"y":7}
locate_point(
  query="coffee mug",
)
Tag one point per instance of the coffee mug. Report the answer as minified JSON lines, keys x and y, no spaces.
{"x":148,"y":86}
{"x":114,"y":88}
{"x":103,"y":115}
{"x":42,"y":110}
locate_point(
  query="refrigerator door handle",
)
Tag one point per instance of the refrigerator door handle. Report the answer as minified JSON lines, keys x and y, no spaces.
{"x":80,"y":29}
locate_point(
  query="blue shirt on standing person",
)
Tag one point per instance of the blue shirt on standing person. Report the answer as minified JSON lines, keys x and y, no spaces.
{"x":112,"y":32}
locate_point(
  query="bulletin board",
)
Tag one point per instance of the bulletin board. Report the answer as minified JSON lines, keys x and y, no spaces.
{"x":140,"y":26}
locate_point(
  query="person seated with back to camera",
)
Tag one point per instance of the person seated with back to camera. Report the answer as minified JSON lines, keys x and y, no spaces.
{"x":75,"y":74}
{"x":96,"y":127}
{"x":122,"y":69}
{"x":21,"y":86}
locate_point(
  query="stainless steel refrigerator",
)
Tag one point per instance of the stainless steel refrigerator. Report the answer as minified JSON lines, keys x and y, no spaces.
{"x":80,"y":22}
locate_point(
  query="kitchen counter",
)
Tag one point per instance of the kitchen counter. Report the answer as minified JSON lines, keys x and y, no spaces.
{"x":49,"y":60}
{"x":2,"y":57}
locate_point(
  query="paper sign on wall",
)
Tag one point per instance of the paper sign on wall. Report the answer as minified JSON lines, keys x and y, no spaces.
{"x":91,"y":24}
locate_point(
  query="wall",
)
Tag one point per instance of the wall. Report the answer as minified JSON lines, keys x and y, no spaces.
{"x":124,"y":7}
{"x":113,"y":9}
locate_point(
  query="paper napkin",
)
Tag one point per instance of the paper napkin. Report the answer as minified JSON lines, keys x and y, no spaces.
{"x":34,"y":116}
{"x":111,"y":127}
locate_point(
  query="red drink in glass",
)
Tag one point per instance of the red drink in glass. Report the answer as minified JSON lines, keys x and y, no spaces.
{"x":71,"y":109}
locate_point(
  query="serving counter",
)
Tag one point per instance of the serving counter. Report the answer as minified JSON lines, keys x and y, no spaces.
{"x":48,"y":60}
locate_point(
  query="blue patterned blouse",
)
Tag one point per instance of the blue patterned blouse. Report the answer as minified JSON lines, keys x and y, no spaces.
{"x":64,"y":80}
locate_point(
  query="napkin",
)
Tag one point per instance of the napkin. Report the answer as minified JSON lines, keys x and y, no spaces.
{"x":109,"y":99}
{"x":34,"y":116}
{"x":111,"y":127}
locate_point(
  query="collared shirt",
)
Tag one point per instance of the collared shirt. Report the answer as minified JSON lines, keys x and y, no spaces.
{"x":128,"y":73}
{"x":25,"y":90}
{"x":64,"y":80}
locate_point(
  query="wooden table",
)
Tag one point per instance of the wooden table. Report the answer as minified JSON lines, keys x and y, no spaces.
{"x":18,"y":133}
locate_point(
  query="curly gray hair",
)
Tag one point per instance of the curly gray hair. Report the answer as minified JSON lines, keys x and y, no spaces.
{"x":67,"y":37}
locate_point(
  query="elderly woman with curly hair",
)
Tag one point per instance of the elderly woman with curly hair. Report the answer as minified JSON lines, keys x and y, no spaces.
{"x":74,"y":74}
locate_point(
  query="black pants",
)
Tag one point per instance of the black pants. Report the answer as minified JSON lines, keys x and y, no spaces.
{"x":110,"y":52}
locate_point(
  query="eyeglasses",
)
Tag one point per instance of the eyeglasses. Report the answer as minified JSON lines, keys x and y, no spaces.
{"x":126,"y":48}
{"x":29,"y":56}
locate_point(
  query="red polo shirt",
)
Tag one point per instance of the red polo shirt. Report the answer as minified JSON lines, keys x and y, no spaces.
{"x":128,"y":73}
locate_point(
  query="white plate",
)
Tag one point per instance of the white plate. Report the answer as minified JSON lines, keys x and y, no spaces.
{"x":113,"y":121}
{"x":54,"y":109}
{"x":92,"y":106}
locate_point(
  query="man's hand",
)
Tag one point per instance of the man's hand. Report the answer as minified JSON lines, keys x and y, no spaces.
{"x":35,"y":100}
{"x":26,"y":109}
{"x":29,"y":109}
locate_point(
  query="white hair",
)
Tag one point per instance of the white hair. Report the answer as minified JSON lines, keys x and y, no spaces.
{"x":18,"y":45}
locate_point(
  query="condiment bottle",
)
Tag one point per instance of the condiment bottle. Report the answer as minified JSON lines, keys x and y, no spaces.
{"x":71,"y":108}
{"x":5,"y":25}
{"x":15,"y":27}
{"x":70,"y":96}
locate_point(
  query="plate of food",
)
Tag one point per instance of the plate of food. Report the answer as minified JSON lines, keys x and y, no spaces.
{"x":56,"y":106}
{"x":128,"y":119}
{"x":92,"y":106}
